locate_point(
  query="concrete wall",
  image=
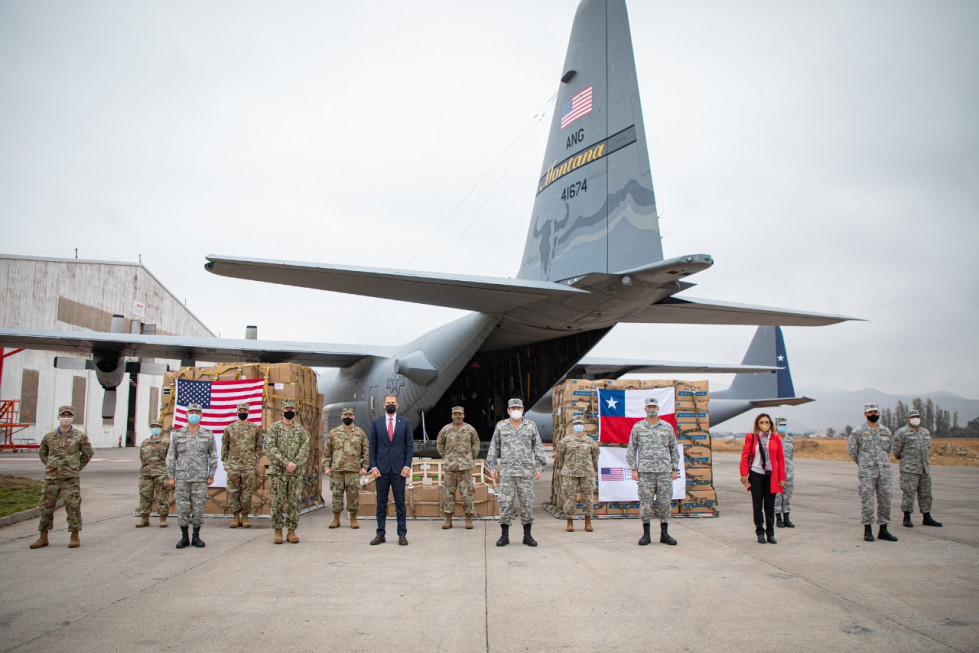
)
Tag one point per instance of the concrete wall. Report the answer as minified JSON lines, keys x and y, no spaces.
{"x":78,"y":295}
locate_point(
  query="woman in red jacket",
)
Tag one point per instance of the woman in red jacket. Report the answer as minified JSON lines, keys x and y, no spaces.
{"x":763,"y":474}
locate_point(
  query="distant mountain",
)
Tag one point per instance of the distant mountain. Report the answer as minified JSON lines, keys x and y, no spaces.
{"x":837,"y":409}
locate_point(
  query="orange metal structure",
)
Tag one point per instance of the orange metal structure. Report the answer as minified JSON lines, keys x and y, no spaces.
{"x":9,"y":424}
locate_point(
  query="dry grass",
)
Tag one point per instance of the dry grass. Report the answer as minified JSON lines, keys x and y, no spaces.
{"x":962,"y":452}
{"x":18,"y":494}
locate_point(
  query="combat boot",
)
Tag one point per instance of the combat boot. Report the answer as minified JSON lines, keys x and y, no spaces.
{"x":336,"y":521}
{"x":882,"y":534}
{"x":469,"y":522}
{"x":645,"y":539}
{"x":528,"y":539}
{"x":196,"y":539}
{"x":277,"y":538}
{"x":664,"y":534}
{"x":353,"y":519}
{"x":42,"y":540}
{"x":448,"y":521}
{"x":235,"y":520}
{"x":503,"y":541}
{"x":588,"y":528}
{"x":907,"y":520}
{"x":144,"y":521}
{"x":928,"y":521}
{"x":244,"y":520}
{"x":786,"y":522}
{"x":570,"y":527}
{"x":163,"y":520}
{"x":868,"y":533}
{"x":292,"y":537}
{"x":73,"y":543}
{"x":185,"y":539}
{"x":778,"y":519}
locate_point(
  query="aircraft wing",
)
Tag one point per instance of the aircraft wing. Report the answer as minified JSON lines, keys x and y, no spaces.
{"x":190,"y":348}
{"x":613,"y":368}
{"x":784,"y":401}
{"x":673,"y":310}
{"x":471,"y":293}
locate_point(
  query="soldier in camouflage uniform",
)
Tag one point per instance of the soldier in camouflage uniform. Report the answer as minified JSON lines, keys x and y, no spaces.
{"x":458,"y":444}
{"x":783,"y":500}
{"x":241,"y":447}
{"x":869,"y":445}
{"x":516,"y":459}
{"x":64,"y":452}
{"x":346,"y":457}
{"x":654,"y":461}
{"x":153,"y":475}
{"x":912,"y":445}
{"x":287,"y":448}
{"x":576,"y":455}
{"x":191,"y":462}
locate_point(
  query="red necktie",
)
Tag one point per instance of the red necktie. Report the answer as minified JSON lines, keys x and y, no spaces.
{"x":391,"y":429}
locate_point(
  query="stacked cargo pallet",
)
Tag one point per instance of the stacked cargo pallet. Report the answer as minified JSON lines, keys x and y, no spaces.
{"x":282,"y":381}
{"x":579,"y":398}
{"x":423,"y":495}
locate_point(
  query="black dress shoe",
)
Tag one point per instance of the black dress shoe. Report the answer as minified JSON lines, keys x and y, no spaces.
{"x":761,"y":538}
{"x":402,"y":540}
{"x":772,"y":540}
{"x":378,"y":540}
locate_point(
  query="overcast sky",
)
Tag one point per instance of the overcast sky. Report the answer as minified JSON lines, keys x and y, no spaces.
{"x":826,"y":154}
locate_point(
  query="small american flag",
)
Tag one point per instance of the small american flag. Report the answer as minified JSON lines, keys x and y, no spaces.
{"x":576,"y":107}
{"x":219,"y":399}
{"x":613,"y":474}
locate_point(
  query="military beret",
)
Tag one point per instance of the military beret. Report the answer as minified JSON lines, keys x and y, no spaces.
{"x":347,"y":410}
{"x":515,"y":403}
{"x":67,"y":409}
{"x":244,"y":404}
{"x":156,"y":422}
{"x":869,"y":407}
{"x":196,"y":407}
{"x":652,"y":401}
{"x":458,"y":409}
{"x":288,"y":403}
{"x":913,"y":413}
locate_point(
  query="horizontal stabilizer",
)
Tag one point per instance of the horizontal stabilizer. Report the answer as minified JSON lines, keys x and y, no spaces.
{"x":780,"y":401}
{"x":613,"y":368}
{"x":191,"y":348}
{"x":471,"y":293}
{"x":673,"y":310}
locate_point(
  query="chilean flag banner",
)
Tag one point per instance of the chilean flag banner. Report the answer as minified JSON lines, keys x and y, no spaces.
{"x":619,"y":410}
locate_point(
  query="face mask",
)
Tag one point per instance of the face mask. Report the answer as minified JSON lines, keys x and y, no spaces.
{"x":66,"y":421}
{"x":652,"y":412}
{"x":915,"y":421}
{"x":348,"y":420}
{"x":156,"y":430}
{"x":242,"y":416}
{"x":194,"y":418}
{"x":516,"y":414}
{"x":390,"y":408}
{"x":288,"y":414}
{"x":873,"y":418}
{"x":782,"y":429}
{"x":764,"y":428}
{"x":457,"y":419}
{"x":578,"y":428}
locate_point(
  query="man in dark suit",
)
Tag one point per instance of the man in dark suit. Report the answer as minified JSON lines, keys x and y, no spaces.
{"x":391,"y":449}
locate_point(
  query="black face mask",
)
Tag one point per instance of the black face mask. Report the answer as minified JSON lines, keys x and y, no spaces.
{"x":348,"y":420}
{"x":873,"y":418}
{"x":243,"y":416}
{"x":288,"y":414}
{"x":390,"y":408}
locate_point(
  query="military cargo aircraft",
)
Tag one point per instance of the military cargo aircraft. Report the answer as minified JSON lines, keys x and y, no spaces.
{"x":593,"y":259}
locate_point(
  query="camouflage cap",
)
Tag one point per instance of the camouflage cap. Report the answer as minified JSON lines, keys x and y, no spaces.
{"x":458,"y":409}
{"x":578,"y":420}
{"x":651,"y":401}
{"x":67,"y":409}
{"x":869,"y":407}
{"x":156,"y":422}
{"x":196,"y":407}
{"x":515,"y":403}
{"x":780,"y":420}
{"x":347,"y":410}
{"x":288,"y":403}
{"x":244,"y":404}
{"x":913,"y":413}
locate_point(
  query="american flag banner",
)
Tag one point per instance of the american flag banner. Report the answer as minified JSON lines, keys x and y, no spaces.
{"x":576,"y":107}
{"x":613,"y":473}
{"x":615,"y":478}
{"x":219,"y":401}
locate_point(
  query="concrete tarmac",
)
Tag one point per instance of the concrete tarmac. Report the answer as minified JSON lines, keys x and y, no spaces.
{"x":820,"y":588}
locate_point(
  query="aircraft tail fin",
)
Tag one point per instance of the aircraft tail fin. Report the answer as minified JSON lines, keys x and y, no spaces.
{"x":766,"y":348}
{"x":595,"y":210}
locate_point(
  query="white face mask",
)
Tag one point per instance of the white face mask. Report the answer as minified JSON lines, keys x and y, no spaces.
{"x":578,"y":428}
{"x":516,"y":413}
{"x":915,"y":421}
{"x":66,"y":421}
